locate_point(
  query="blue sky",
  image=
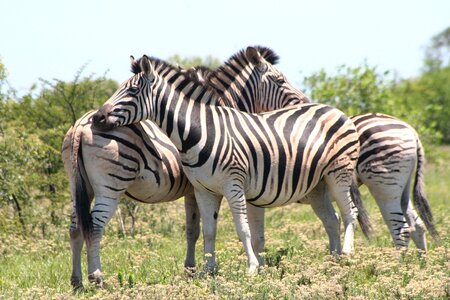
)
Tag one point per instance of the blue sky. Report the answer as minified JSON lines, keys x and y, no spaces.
{"x":54,"y":38}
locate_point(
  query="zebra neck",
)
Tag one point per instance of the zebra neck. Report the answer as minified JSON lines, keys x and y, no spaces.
{"x":234,"y":83}
{"x":182,"y":112}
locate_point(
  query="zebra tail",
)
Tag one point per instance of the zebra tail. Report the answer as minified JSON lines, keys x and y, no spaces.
{"x":363,"y":216}
{"x":420,"y":200}
{"x":82,"y":198}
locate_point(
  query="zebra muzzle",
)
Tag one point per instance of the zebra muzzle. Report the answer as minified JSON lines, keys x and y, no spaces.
{"x":100,"y":119}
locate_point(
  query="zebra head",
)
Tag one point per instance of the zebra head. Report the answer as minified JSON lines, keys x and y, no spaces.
{"x":129,"y":104}
{"x":272,"y":89}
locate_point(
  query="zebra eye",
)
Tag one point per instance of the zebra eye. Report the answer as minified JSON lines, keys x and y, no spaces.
{"x":280,"y":81}
{"x":133,"y":90}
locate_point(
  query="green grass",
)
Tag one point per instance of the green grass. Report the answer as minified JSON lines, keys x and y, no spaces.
{"x":150,"y":264}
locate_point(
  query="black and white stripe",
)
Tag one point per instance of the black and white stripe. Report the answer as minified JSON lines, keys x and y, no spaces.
{"x":391,"y":154}
{"x":137,"y":161}
{"x":269,"y":159}
{"x":140,"y":162}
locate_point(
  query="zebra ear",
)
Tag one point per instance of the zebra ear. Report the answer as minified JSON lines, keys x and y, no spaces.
{"x":147,"y":68}
{"x":256,"y":59}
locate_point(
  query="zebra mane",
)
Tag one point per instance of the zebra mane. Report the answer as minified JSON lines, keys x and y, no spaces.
{"x":268,"y":54}
{"x":238,"y":61}
{"x":189,"y":74}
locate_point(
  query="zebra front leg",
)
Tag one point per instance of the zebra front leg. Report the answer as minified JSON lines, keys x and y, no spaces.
{"x":209,"y":205}
{"x":323,"y":208}
{"x":103,"y":210}
{"x":238,"y":206}
{"x":256,"y":224}
{"x":76,"y":244}
{"x":192,"y":231}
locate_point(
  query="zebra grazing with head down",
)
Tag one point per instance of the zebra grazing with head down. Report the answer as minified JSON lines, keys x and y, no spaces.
{"x":267,"y":160}
{"x":140,"y":162}
{"x":390,"y":153}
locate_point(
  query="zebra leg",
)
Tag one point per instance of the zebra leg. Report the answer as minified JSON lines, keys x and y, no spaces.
{"x":340,"y":190}
{"x":76,"y":244}
{"x":388,"y":198}
{"x":323,"y":208}
{"x":417,"y":228}
{"x":256,"y":224}
{"x":416,"y":225}
{"x":192,"y":230}
{"x":103,"y":210}
{"x":209,"y":205}
{"x":234,"y":193}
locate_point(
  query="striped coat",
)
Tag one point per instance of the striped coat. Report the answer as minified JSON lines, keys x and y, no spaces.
{"x":270,"y":159}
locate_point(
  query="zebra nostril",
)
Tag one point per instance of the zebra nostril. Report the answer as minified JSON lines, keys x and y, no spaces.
{"x":98,"y":118}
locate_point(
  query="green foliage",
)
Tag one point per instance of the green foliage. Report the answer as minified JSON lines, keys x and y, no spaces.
{"x":422,"y":102}
{"x":194,"y":61}
{"x":28,"y":180}
{"x":353,"y":90}
{"x":62,"y":102}
{"x":33,"y":183}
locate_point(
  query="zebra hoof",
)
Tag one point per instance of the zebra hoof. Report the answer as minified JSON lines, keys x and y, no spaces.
{"x":77,"y":284}
{"x":347,"y":250}
{"x":211,"y":270}
{"x":96,"y":278}
{"x":190,"y":271}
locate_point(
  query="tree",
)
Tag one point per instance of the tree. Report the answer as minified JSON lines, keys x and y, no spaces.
{"x":352,"y":90}
{"x":437,"y":54}
{"x":28,"y":183}
{"x":59,"y":104}
{"x":423,"y":101}
{"x":33,"y":183}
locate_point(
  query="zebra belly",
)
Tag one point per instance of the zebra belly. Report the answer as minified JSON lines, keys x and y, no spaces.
{"x":271,"y":198}
{"x":266,"y":196}
{"x":149,"y":191}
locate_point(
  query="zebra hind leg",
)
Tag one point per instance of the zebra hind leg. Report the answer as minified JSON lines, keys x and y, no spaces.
{"x":418,"y":231}
{"x":103,"y":210}
{"x":76,"y":245}
{"x":388,"y":198}
{"x":416,"y":225}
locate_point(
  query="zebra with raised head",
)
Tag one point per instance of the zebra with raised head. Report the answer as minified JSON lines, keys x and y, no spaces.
{"x":391,"y":153}
{"x":140,"y":162}
{"x":268,"y":160}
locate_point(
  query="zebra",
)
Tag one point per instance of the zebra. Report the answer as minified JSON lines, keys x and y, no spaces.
{"x":390,"y":151}
{"x":138,"y":161}
{"x":132,"y":160}
{"x":267,"y":160}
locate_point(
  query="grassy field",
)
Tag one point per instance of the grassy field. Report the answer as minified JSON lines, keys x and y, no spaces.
{"x":150,"y":264}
